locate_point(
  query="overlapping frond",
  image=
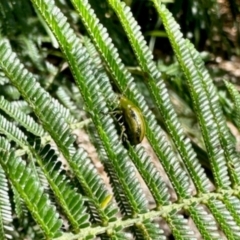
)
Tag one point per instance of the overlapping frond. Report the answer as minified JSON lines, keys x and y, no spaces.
{"x":86,"y":77}
{"x":53,"y":123}
{"x":30,"y":190}
{"x":124,"y":81}
{"x":33,"y":161}
{"x":205,"y":99}
{"x":160,"y":94}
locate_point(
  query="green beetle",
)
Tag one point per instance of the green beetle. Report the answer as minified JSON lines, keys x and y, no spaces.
{"x":133,"y":121}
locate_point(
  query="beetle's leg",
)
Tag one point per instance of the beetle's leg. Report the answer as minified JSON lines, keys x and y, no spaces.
{"x":123,"y":132}
{"x":119,"y":120}
{"x":115,"y":112}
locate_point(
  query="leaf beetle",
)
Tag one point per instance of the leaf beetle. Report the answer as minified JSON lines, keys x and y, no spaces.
{"x":134,"y":127}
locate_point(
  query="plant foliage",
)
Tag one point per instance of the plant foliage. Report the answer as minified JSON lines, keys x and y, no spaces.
{"x":55,"y":81}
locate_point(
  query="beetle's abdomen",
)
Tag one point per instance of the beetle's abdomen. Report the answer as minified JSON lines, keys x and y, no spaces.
{"x":134,"y":124}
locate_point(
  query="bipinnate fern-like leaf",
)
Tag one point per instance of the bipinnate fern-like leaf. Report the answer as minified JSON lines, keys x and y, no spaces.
{"x":30,"y":190}
{"x":199,"y":97}
{"x":134,"y":200}
{"x":80,"y":65}
{"x":55,"y":128}
{"x":141,"y":160}
{"x":103,"y":44}
{"x":124,"y":81}
{"x":53,"y":123}
{"x":35,"y":96}
{"x":161,"y":97}
{"x":47,"y":159}
{"x":144,"y":57}
{"x":200,"y":181}
{"x":203,"y":91}
{"x":103,"y":48}
{"x":83,"y":200}
{"x":214,"y":130}
{"x":147,"y":170}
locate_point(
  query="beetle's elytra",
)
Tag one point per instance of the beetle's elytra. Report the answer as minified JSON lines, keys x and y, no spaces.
{"x":133,"y":121}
